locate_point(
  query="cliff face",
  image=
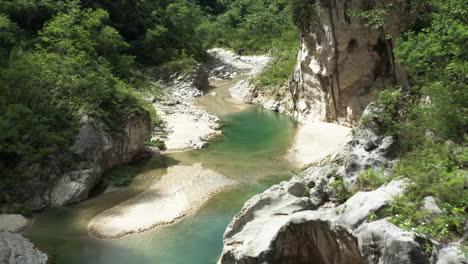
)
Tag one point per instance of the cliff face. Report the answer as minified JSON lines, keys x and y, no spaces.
{"x":304,"y":220}
{"x":341,"y":63}
{"x":96,"y":151}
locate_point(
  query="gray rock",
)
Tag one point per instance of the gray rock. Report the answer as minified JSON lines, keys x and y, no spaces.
{"x":99,"y":152}
{"x":15,"y":249}
{"x":368,"y":150}
{"x":320,"y":180}
{"x":190,"y":85}
{"x":450,"y":254}
{"x":383,"y":242}
{"x":13,"y":223}
{"x":341,"y":63}
{"x":430,"y":205}
{"x":280,"y":226}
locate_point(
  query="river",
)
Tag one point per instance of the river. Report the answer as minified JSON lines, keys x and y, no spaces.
{"x":250,"y":151}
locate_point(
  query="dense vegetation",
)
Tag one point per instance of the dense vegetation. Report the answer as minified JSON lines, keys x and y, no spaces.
{"x":430,"y":122}
{"x":253,"y":27}
{"x":63,"y":60}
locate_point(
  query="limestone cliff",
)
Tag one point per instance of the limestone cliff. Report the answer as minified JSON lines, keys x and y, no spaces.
{"x":341,"y":63}
{"x":304,"y":220}
{"x":96,"y":150}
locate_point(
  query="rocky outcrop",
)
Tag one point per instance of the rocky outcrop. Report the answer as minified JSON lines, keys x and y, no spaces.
{"x":13,"y":223}
{"x":95,"y":150}
{"x":305,"y":221}
{"x":231,"y":61}
{"x":15,"y":249}
{"x":248,"y":92}
{"x":280,"y":226}
{"x":341,"y":63}
{"x":190,"y":85}
{"x":368,"y":149}
{"x":99,"y":151}
{"x":184,"y":126}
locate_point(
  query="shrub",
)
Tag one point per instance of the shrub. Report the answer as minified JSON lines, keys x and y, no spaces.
{"x":370,"y":179}
{"x":121,"y":175}
{"x":342,"y":190}
{"x":158,"y":144}
{"x":303,"y":12}
{"x":435,"y":169}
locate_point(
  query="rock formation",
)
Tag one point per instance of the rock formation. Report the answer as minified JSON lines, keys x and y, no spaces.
{"x":96,"y":150}
{"x":14,"y":248}
{"x":303,"y":220}
{"x":103,"y":152}
{"x":341,"y":63}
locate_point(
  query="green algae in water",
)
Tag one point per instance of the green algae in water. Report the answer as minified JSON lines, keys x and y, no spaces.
{"x":251,"y":151}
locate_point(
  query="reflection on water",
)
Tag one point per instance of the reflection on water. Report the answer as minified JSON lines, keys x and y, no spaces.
{"x":251,"y":151}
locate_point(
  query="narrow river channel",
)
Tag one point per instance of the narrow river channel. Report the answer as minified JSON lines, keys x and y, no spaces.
{"x":250,"y":151}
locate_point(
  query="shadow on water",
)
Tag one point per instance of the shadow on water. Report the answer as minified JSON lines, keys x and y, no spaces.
{"x":251,"y":151}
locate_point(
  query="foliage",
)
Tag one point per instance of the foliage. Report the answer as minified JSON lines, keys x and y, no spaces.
{"x":252,"y":26}
{"x":284,"y":54}
{"x":371,"y":179}
{"x":158,"y":144}
{"x":436,"y":58}
{"x":303,"y":12}
{"x":342,"y":190}
{"x":429,"y":120}
{"x":434,"y":170}
{"x":75,"y":68}
{"x":119,"y":176}
{"x":373,"y":18}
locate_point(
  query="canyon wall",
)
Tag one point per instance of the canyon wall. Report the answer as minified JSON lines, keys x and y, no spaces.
{"x":341,"y":63}
{"x":96,"y":148}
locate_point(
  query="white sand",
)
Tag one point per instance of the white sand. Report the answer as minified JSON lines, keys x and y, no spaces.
{"x":180,"y":192}
{"x":315,"y":141}
{"x":187,"y":132}
{"x":187,"y":126}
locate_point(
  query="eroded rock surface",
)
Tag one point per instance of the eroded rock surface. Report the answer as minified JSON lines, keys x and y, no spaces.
{"x":304,"y":220}
{"x":99,"y":151}
{"x":15,"y":249}
{"x":281,"y":226}
{"x":190,"y":85}
{"x":13,"y":223}
{"x":340,"y":62}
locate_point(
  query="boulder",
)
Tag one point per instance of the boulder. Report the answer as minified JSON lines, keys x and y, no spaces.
{"x":99,"y":151}
{"x":368,"y":149}
{"x":281,"y":225}
{"x":15,"y":249}
{"x":449,"y":254}
{"x":13,"y":223}
{"x":430,"y":205}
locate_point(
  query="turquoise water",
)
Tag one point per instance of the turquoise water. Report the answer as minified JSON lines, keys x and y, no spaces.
{"x":251,"y":151}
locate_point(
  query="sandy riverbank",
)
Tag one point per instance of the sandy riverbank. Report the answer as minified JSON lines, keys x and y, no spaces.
{"x":186,"y":126}
{"x":180,"y":192}
{"x":315,"y":140}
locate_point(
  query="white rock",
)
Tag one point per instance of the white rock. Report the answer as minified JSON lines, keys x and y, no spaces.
{"x":15,"y":249}
{"x":430,"y":205}
{"x":13,"y":223}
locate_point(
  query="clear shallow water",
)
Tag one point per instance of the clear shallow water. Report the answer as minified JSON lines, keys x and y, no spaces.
{"x":250,"y":151}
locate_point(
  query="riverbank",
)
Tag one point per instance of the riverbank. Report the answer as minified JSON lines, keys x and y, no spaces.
{"x":187,"y":126}
{"x":315,"y":141}
{"x":180,"y":192}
